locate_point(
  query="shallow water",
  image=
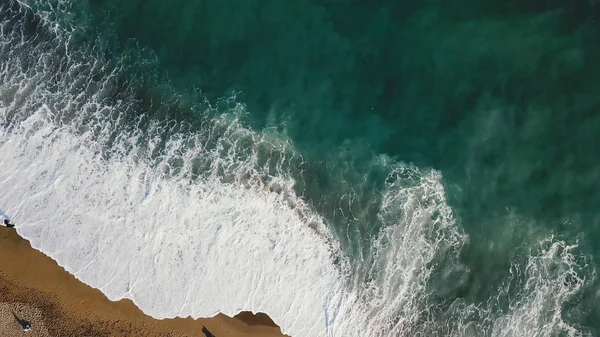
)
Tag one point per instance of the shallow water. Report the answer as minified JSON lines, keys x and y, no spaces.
{"x":349,"y":168}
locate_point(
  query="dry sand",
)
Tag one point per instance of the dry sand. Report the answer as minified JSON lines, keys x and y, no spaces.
{"x":11,"y":316}
{"x":36,"y":289}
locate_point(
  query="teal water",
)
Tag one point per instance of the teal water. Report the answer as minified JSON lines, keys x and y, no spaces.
{"x":502,"y":98}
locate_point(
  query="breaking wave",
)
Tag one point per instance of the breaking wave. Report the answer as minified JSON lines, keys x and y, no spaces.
{"x":199,"y":220}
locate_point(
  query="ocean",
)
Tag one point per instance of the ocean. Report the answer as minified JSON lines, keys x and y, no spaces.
{"x":350,"y":168}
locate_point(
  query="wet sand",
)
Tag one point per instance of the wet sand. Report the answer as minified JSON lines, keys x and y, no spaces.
{"x":36,"y":289}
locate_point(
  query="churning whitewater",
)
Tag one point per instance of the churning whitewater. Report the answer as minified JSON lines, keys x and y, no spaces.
{"x":196,"y":221}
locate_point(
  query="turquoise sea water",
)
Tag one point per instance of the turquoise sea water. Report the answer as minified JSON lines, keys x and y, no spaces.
{"x":501,"y":98}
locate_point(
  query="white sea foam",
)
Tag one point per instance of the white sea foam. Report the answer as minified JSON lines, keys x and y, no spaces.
{"x":178,"y":248}
{"x":174,"y":248}
{"x":550,"y":280}
{"x":530,"y":302}
{"x":130,"y":215}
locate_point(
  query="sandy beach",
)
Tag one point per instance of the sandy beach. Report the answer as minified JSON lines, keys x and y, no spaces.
{"x":34,"y":289}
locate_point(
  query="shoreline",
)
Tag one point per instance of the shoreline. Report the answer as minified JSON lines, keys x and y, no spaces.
{"x":69,"y":307}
